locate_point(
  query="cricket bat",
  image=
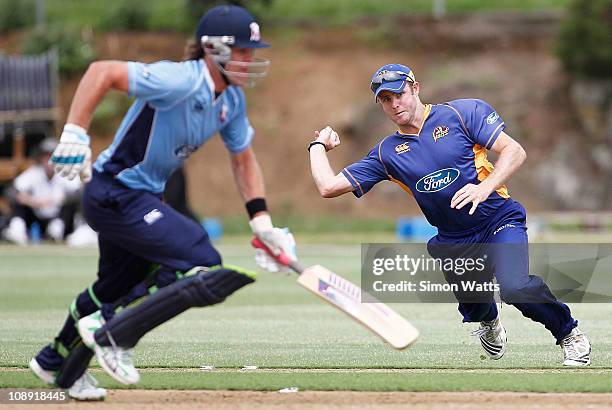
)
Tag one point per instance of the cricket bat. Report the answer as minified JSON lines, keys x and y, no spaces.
{"x":346,"y":296}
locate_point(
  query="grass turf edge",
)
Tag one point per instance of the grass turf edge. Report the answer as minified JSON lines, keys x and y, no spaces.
{"x":572,"y":381}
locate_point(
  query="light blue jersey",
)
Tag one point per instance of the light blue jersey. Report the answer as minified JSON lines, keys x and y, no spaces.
{"x":175,"y":112}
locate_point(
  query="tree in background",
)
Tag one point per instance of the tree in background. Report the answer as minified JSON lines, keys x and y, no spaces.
{"x":16,"y":14}
{"x":584,"y":46}
{"x":194,"y":9}
{"x":585,"y":39}
{"x":128,"y":15}
{"x":74,"y":47}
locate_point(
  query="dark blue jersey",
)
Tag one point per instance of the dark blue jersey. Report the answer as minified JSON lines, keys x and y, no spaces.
{"x":448,"y":152}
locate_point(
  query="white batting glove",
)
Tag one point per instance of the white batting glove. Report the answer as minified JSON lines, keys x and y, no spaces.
{"x":85,"y":173}
{"x":72,"y":156}
{"x":276,"y":239}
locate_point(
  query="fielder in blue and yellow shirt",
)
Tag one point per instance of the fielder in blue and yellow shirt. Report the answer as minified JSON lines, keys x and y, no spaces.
{"x":439,"y":156}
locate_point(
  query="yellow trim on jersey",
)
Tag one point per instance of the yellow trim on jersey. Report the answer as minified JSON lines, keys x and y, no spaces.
{"x":398,"y":182}
{"x":401,"y":184}
{"x":484,"y":169}
{"x":460,"y":117}
{"x":357,"y":182}
{"x":380,"y":155}
{"x":425,"y":115}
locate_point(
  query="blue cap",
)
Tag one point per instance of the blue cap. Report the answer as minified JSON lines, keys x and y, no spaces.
{"x":391,"y":77}
{"x":233,"y":21}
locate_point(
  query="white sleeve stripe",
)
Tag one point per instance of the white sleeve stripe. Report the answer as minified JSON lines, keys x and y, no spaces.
{"x":132,"y":83}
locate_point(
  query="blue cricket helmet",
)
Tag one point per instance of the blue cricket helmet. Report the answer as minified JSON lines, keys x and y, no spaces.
{"x":231,"y":21}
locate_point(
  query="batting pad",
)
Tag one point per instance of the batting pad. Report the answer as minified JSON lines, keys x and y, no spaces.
{"x":207,"y":287}
{"x":74,"y":366}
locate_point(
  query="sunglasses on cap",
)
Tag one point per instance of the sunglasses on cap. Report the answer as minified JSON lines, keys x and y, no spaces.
{"x":389,"y":76}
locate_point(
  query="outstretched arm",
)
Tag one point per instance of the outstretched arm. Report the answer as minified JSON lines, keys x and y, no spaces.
{"x":511,"y":156}
{"x":72,"y":156}
{"x":328,"y":184}
{"x":250,"y":183}
{"x":247,"y":175}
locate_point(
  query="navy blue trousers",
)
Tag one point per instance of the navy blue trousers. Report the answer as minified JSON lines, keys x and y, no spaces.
{"x":138,"y":235}
{"x":504,"y":241}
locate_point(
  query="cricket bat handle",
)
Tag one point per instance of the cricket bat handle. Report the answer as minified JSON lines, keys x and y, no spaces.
{"x":281,"y":258}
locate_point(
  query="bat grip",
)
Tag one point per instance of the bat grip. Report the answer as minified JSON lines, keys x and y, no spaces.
{"x":281,"y":258}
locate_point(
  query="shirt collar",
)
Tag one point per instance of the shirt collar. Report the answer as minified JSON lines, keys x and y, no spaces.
{"x":426,"y":113}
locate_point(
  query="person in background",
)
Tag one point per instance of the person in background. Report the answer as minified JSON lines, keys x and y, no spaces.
{"x":43,"y":205}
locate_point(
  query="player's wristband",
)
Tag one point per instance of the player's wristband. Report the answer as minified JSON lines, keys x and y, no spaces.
{"x":256,"y":205}
{"x":313,"y":143}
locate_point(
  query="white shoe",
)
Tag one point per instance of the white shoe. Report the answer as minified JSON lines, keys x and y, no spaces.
{"x":118,"y":363}
{"x":46,"y":376}
{"x":576,"y":349}
{"x":87,"y":327}
{"x":86,"y":389}
{"x":55,"y":229}
{"x":16,"y":231}
{"x":492,"y":338}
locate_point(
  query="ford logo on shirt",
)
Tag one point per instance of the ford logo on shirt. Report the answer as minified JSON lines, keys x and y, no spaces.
{"x":437,"y":180}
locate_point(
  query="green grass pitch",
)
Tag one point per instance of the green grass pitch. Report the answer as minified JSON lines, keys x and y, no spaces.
{"x":294,"y":338}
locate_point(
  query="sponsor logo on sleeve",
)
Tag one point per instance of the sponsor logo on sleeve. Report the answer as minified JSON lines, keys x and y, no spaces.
{"x":439,"y":132}
{"x":492,"y":118}
{"x":437,"y":180}
{"x":401,"y":148}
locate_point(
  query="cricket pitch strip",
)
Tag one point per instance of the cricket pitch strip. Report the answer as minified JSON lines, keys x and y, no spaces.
{"x":345,"y":400}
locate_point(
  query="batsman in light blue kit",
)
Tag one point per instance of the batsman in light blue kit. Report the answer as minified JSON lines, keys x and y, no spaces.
{"x":439,"y":156}
{"x":149,"y":252}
